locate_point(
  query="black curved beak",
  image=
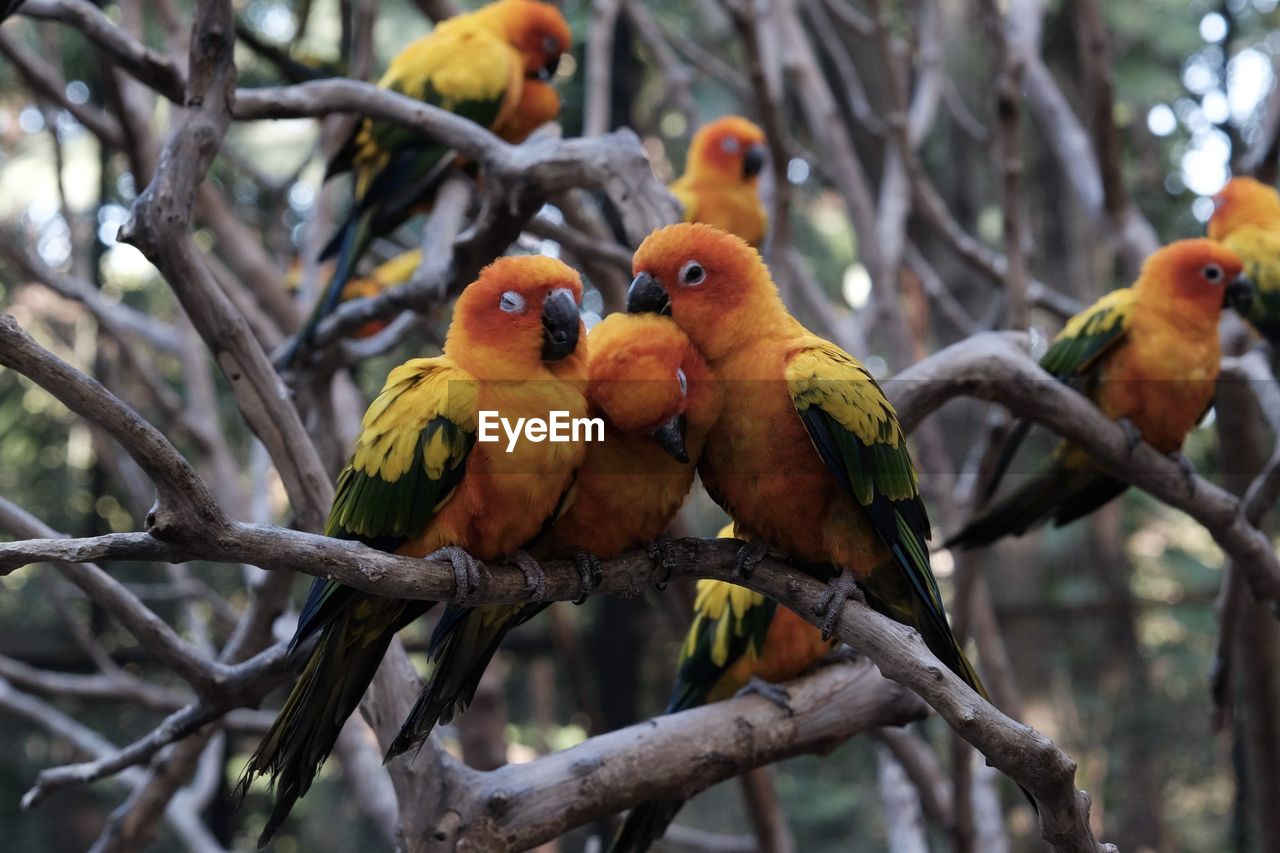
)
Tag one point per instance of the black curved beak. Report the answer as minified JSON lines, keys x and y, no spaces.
{"x":647,"y":296}
{"x":1238,"y":294}
{"x":560,"y":325}
{"x":548,"y":71}
{"x":753,"y":160}
{"x":670,"y":436}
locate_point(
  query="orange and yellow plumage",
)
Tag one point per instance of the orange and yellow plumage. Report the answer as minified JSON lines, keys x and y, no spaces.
{"x":1146,"y":355}
{"x":807,"y":456}
{"x":477,"y":65}
{"x":1246,"y":219}
{"x":419,"y":480}
{"x":720,"y":184}
{"x":657,"y":400}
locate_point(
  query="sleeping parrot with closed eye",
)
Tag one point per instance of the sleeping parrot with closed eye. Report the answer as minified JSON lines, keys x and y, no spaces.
{"x":721,"y":181}
{"x":657,"y":400}
{"x":1246,"y":219}
{"x":492,"y":66}
{"x":1147,"y":356}
{"x":738,"y":639}
{"x":420,"y":484}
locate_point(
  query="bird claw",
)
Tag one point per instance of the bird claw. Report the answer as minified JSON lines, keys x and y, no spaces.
{"x":466,"y":569}
{"x":841,"y":588}
{"x":659,"y":551}
{"x":748,"y":557}
{"x":535,"y":579}
{"x":775,"y":693}
{"x":589,"y":573}
{"x":1132,"y":435}
{"x":1188,"y":471}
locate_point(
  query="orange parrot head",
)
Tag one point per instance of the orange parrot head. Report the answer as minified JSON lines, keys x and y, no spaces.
{"x":710,"y":282}
{"x":646,"y":378}
{"x":1243,"y":202}
{"x":1200,"y":275}
{"x":520,"y":312}
{"x":538,"y":30}
{"x":730,"y":148}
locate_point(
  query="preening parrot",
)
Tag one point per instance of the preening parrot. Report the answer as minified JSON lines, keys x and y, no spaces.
{"x":492,"y":66}
{"x":657,"y":400}
{"x":807,"y":456}
{"x":738,"y":637}
{"x":420,"y":484}
{"x":1246,"y":219}
{"x":720,"y":184}
{"x":1148,"y":356}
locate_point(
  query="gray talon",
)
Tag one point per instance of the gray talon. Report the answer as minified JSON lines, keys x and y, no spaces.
{"x":774,"y":693}
{"x":1132,"y":435}
{"x":749,"y":556}
{"x":589,"y":573}
{"x":1188,"y":471}
{"x":466,"y":569}
{"x":660,"y":553}
{"x":535,"y":579}
{"x":841,"y":588}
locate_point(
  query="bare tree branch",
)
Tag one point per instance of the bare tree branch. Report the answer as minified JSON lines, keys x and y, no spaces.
{"x":159,"y":72}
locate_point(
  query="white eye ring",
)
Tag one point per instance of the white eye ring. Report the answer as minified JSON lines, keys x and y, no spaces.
{"x":684,"y":382}
{"x":1212,"y":273}
{"x":512,"y":302}
{"x":692,"y":274}
{"x":730,"y":145}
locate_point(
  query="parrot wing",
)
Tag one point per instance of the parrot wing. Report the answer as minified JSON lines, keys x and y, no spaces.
{"x":856,"y":432}
{"x":466,"y":70}
{"x":1259,"y":248}
{"x":409,"y":458}
{"x":729,"y":622}
{"x":1074,"y":357}
{"x":1087,"y":338}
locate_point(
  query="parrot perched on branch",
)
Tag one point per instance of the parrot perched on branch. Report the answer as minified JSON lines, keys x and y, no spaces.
{"x":658,"y":400}
{"x":420,"y":484}
{"x":1246,"y":219}
{"x":493,"y":66}
{"x":739,"y":639}
{"x":807,"y":456}
{"x":720,"y":184}
{"x":1147,"y":355}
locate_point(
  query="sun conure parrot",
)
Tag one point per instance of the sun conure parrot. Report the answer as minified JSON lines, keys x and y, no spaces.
{"x":738,"y":638}
{"x":478,"y":65}
{"x":390,"y":273}
{"x":807,"y":456}
{"x":1147,"y":355}
{"x":720,"y":184}
{"x":420,"y":484}
{"x":1246,"y":219}
{"x":657,"y":400}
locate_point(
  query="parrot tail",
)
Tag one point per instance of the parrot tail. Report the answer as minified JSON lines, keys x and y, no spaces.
{"x":645,"y":824}
{"x":1056,"y":492}
{"x":464,"y":641}
{"x":327,"y":692}
{"x":349,"y":244}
